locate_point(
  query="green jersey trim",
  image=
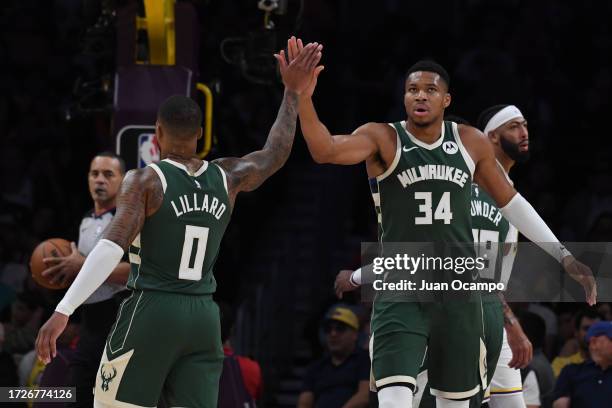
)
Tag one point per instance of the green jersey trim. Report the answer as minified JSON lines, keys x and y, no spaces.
{"x":396,"y":159}
{"x":160,"y":174}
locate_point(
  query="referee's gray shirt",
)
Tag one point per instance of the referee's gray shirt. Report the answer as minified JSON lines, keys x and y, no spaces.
{"x":90,"y":231}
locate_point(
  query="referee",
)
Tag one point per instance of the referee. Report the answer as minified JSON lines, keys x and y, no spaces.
{"x":99,"y":311}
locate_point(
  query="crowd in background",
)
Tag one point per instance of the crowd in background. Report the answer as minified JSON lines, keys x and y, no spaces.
{"x":549,"y":58}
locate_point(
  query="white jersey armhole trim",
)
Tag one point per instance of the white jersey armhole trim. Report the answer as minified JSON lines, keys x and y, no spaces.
{"x":466,"y":155}
{"x":398,"y":153}
{"x":224,"y":177}
{"x":160,"y":174}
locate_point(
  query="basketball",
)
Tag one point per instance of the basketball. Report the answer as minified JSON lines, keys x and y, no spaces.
{"x":53,"y":247}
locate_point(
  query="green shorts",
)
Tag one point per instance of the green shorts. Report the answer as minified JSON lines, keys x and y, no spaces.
{"x":162,"y":342}
{"x":452,"y":334}
{"x":493,"y":333}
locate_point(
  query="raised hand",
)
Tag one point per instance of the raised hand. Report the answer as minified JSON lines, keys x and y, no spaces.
{"x":294,"y":47}
{"x":583,"y":275}
{"x":297,"y":74}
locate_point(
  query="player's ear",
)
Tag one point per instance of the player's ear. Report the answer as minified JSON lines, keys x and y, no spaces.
{"x":200,"y":133}
{"x":447,"y":100}
{"x":493,"y":137}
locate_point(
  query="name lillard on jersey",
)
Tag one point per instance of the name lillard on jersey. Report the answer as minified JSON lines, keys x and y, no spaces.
{"x":484,"y":209}
{"x":433,"y":172}
{"x":191,"y":204}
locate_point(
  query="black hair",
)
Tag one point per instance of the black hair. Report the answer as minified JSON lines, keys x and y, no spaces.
{"x":180,"y":116}
{"x":457,"y":119}
{"x":430,"y":66}
{"x":486,"y":115}
{"x":586,"y":312}
{"x":534,"y":327}
{"x":112,"y":155}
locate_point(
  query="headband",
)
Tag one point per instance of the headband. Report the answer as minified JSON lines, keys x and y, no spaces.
{"x":508,"y":113}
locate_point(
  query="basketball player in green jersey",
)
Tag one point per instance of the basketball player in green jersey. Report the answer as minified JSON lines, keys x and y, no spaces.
{"x":506,"y":128}
{"x":174,"y":213}
{"x":421,"y":171}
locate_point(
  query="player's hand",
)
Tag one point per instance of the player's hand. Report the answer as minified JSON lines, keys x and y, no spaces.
{"x":294,"y":47}
{"x":582,"y":274}
{"x":343,"y":283}
{"x":63,"y":268}
{"x":297,"y":74}
{"x":522,"y":350}
{"x":47,"y":337}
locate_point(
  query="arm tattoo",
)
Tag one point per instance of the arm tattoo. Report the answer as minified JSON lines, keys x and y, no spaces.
{"x":509,"y":318}
{"x":249,"y":172}
{"x":141,"y":194}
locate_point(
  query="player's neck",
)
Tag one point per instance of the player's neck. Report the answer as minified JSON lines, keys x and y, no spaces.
{"x":180,"y":154}
{"x":505,"y":162}
{"x":427,"y":134}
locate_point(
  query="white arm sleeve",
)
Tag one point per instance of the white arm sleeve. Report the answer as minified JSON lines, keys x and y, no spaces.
{"x":521,"y":214}
{"x":98,"y":266}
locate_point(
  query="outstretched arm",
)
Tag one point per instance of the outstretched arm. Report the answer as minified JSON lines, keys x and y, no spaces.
{"x":249,"y":172}
{"x":519,"y":212}
{"x":324,"y":147}
{"x":140,"y":196}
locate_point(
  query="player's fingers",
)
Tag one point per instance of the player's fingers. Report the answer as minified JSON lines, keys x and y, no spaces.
{"x":51,"y":272}
{"x":43,"y":353}
{"x":282,"y":62}
{"x":52,"y":260}
{"x":300,"y":44}
{"x":73,"y":247}
{"x":512,"y":362}
{"x":292,"y":48}
{"x":52,"y":344}
{"x":302,"y":58}
{"x":314,"y":57}
{"x":318,"y":70}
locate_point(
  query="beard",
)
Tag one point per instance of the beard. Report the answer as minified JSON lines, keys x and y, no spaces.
{"x":513,"y":151}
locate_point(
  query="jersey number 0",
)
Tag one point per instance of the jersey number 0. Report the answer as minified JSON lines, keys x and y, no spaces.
{"x":194,"y":252}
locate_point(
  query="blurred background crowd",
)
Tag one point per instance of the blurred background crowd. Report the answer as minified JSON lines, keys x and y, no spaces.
{"x":288,"y":240}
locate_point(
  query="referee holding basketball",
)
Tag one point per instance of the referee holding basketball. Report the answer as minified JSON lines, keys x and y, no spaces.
{"x":98,"y":313}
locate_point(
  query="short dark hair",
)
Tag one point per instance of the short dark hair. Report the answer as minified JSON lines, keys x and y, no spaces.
{"x":108,"y":153}
{"x":180,"y":116}
{"x":430,"y":66}
{"x":486,"y":115}
{"x":588,"y":313}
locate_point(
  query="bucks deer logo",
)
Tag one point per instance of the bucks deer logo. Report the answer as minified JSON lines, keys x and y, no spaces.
{"x":107,"y":376}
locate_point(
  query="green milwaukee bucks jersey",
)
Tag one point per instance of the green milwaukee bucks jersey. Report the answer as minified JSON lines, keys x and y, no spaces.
{"x":496,"y":238}
{"x":425,"y":193}
{"x":178,"y":245}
